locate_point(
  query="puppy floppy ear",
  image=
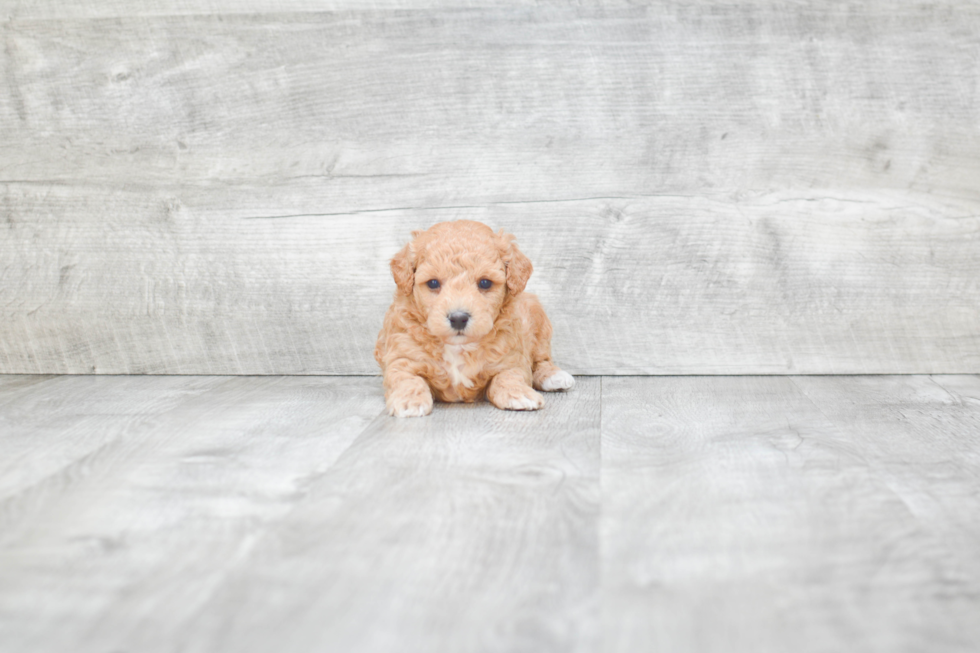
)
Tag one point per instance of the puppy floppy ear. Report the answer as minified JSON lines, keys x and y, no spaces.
{"x":403,"y":269}
{"x":518,"y":266}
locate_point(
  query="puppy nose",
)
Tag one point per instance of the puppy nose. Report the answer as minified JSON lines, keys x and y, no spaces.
{"x":458,"y":320}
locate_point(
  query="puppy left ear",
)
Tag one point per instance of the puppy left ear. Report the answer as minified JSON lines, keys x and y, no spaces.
{"x":518,"y":266}
{"x":403,"y":269}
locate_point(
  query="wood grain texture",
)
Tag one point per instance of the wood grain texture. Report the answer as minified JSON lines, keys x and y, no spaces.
{"x":51,"y":423}
{"x":631,"y":513}
{"x":645,"y":153}
{"x":472,"y":530}
{"x":774,"y":514}
{"x":236,"y":524}
{"x":632,"y":285}
{"x":132,"y":497}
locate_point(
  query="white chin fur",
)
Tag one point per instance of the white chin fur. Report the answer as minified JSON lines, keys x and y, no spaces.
{"x":561,"y":380}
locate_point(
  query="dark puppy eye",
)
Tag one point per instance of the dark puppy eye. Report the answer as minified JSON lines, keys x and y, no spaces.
{"x":485,"y":284}
{"x":433,"y":284}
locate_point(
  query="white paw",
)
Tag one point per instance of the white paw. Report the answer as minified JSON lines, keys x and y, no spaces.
{"x":560,"y":380}
{"x":415,"y":405}
{"x":410,"y":411}
{"x":531,"y":401}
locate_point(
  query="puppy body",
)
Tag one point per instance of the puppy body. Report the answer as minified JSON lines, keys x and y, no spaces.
{"x":475,"y":333}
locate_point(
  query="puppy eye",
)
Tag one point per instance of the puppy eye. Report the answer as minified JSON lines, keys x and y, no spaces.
{"x":433,"y":284}
{"x":485,"y":284}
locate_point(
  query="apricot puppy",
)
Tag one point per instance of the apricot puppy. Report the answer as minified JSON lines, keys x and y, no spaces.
{"x":461,"y":326}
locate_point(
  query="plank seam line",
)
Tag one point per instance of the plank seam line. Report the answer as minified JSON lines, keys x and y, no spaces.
{"x":464,"y":206}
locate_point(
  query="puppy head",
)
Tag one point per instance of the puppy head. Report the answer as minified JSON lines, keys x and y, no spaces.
{"x":459,"y":275}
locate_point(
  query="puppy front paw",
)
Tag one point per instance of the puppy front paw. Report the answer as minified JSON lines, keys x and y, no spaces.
{"x":560,"y":380}
{"x":517,"y":398}
{"x":410,"y":400}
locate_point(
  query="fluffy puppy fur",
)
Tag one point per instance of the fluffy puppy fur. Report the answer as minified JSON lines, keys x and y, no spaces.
{"x":461,"y":326}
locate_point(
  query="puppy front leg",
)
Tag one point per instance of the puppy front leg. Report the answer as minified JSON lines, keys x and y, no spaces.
{"x":406,"y":394}
{"x":510,"y":390}
{"x":550,"y":378}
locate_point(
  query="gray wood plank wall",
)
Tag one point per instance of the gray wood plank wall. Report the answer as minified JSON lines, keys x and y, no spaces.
{"x":726,"y":187}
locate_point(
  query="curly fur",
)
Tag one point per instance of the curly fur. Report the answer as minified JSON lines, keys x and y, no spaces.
{"x":505,"y":347}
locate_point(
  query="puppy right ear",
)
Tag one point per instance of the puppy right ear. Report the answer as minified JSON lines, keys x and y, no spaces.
{"x":518,"y":266}
{"x":403,"y":269}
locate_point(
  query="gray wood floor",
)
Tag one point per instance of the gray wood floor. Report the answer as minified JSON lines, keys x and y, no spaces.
{"x":657,"y":513}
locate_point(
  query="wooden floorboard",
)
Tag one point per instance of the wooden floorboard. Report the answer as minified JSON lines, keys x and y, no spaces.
{"x":632,"y":513}
{"x":472,"y":530}
{"x":146,"y":490}
{"x":52,"y":423}
{"x":778,"y":513}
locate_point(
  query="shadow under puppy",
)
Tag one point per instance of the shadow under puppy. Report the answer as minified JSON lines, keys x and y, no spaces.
{"x":461,"y":326}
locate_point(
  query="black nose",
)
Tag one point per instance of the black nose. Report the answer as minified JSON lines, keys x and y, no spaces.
{"x":458,"y":319}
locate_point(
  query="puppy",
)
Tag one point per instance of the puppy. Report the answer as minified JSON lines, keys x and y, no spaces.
{"x":461,"y":327}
